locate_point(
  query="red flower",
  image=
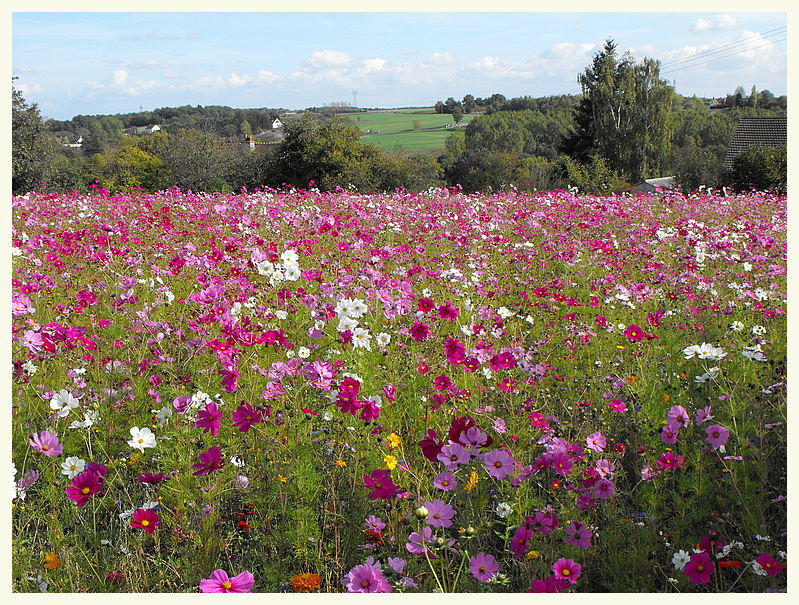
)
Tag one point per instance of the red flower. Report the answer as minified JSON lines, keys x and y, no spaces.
{"x":145,"y":519}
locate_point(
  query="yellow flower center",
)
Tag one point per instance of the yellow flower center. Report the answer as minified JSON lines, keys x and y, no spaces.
{"x":365,"y":583}
{"x":227,"y":585}
{"x":145,"y":522}
{"x":565,"y":572}
{"x":85,"y":490}
{"x":45,"y":447}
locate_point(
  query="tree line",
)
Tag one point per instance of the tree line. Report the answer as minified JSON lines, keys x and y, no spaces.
{"x":627,"y":125}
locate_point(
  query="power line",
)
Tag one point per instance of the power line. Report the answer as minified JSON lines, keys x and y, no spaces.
{"x":743,"y":42}
{"x":667,"y":71}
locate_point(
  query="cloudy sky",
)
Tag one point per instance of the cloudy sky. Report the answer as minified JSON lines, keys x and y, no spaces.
{"x":89,"y":63}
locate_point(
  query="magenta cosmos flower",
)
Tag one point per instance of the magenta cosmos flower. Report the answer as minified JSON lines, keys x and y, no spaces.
{"x":208,"y":418}
{"x":717,"y":435}
{"x":245,"y":416}
{"x":46,"y":443}
{"x":604,"y":488}
{"x":567,"y":569}
{"x":499,"y":463}
{"x":550,"y":584}
{"x":439,"y":514}
{"x":699,"y":568}
{"x":83,"y":486}
{"x":367,"y":578}
{"x":380,"y":483}
{"x":596,"y":441}
{"x":769,"y":564}
{"x":146,"y":519}
{"x":634,"y":333}
{"x":210,"y":461}
{"x":220,"y":582}
{"x":483,"y":566}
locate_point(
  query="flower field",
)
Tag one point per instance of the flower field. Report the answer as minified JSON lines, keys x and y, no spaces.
{"x":296,"y":391}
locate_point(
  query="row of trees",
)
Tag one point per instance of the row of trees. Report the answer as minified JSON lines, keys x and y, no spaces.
{"x":627,"y":125}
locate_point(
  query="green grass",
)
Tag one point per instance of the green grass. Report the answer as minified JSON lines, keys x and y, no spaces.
{"x":406,"y":129}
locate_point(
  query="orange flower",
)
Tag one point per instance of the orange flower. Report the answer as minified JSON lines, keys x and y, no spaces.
{"x":728,"y":564}
{"x":51,"y":560}
{"x":306,"y":582}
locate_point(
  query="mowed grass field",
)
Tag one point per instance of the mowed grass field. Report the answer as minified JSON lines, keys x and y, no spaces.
{"x":395,"y":130}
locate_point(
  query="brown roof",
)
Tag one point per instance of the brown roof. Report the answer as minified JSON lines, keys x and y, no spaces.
{"x":769,"y":132}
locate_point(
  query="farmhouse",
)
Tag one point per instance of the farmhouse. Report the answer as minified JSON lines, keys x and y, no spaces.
{"x":138,"y":130}
{"x":768,"y":132}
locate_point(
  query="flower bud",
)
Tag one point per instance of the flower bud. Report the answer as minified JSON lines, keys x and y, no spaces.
{"x":421,"y":512}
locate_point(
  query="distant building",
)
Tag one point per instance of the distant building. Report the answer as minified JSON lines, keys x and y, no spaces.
{"x":74,"y":144}
{"x":654,"y":185}
{"x":139,"y":130}
{"x":766,"y":132}
{"x":277,"y":124}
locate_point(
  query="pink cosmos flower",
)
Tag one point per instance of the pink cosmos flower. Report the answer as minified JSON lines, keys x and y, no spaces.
{"x":210,"y":461}
{"x":520,"y":540}
{"x":483,"y":566}
{"x":420,"y":331}
{"x":439,"y":514}
{"x":46,"y":443}
{"x":499,"y":463}
{"x":33,"y":341}
{"x":83,"y":486}
{"x":208,"y":418}
{"x":699,"y":568}
{"x":717,"y":435}
{"x":229,"y":377}
{"x":670,"y":461}
{"x":453,"y":455}
{"x":417,"y":543}
{"x":703,"y":415}
{"x":769,"y":564}
{"x":669,"y":434}
{"x":580,"y":536}
{"x":677,"y":417}
{"x":634,"y":333}
{"x":445,"y":481}
{"x":604,"y":489}
{"x":380,"y":483}
{"x":245,"y":416}
{"x":567,"y":569}
{"x":562,"y":463}
{"x":220,"y":582}
{"x":447,"y":311}
{"x":146,"y":519}
{"x":550,"y":584}
{"x":367,"y":578}
{"x":617,"y":405}
{"x":596,"y":441}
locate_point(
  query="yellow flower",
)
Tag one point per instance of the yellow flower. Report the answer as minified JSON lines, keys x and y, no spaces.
{"x":472,"y":483}
{"x":533,"y":554}
{"x":281,"y":478}
{"x":393,"y":441}
{"x":51,"y":560}
{"x":390,"y":462}
{"x":340,"y":463}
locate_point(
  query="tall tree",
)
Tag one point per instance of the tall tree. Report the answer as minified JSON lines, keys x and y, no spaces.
{"x":33,"y":149}
{"x":625,"y":114}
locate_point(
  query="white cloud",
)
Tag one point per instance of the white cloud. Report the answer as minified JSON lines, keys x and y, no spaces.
{"x":373,"y":64}
{"x":721,"y":23}
{"x":444,"y":58}
{"x":323,"y":59}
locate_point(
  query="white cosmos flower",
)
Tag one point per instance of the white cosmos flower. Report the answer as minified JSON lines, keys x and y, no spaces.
{"x":289,"y":256}
{"x":347,"y":323}
{"x":291,"y":272}
{"x":737,"y":326}
{"x":62,"y":402}
{"x":503,"y":509}
{"x":679,"y":559}
{"x":303,"y":352}
{"x":504,"y":312}
{"x":72,"y":467}
{"x":142,"y":438}
{"x":361,"y":339}
{"x":383,"y":339}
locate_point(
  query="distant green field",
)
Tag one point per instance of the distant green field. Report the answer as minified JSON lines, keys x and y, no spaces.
{"x":406,"y":129}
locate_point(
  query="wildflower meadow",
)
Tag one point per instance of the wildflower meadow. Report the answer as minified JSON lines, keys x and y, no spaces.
{"x":296,"y":391}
